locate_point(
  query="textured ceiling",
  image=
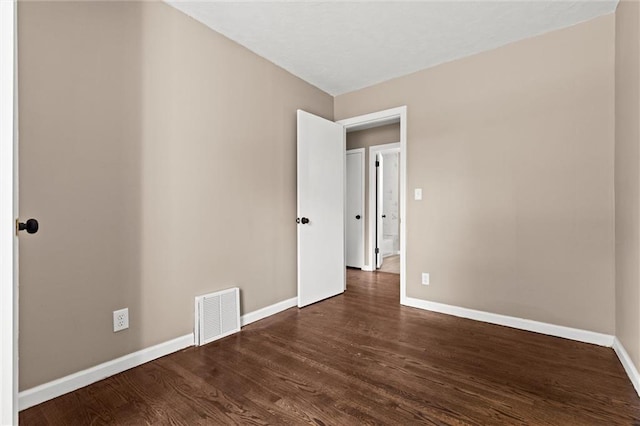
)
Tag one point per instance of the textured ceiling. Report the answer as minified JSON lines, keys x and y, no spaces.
{"x":343,"y":46}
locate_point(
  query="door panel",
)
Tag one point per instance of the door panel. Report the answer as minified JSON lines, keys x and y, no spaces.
{"x":8,"y":214}
{"x":321,"y":186}
{"x":355,"y":209}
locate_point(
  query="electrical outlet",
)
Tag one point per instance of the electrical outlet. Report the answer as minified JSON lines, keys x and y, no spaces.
{"x":425,"y":278}
{"x":120,"y":319}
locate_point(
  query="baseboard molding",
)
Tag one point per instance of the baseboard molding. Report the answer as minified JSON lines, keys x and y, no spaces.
{"x":55,"y":388}
{"x":513,"y":322}
{"x":58,"y":387}
{"x":628,"y":365}
{"x":367,"y":268}
{"x":267,"y":311}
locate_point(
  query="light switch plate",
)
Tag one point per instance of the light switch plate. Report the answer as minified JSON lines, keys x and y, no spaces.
{"x":425,"y":278}
{"x":417,"y":194}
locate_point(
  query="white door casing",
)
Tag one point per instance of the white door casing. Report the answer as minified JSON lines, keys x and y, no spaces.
{"x":321,"y":200}
{"x":8,"y":213}
{"x":375,"y":119}
{"x":379,"y":209}
{"x":354,"y":217}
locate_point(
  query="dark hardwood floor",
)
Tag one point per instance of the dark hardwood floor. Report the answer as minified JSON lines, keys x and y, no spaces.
{"x":361,"y":358}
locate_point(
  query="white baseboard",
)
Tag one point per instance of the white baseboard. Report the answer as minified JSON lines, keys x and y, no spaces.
{"x":367,"y":268}
{"x":55,"y":388}
{"x":628,"y":365}
{"x":267,"y":311}
{"x":58,"y":387}
{"x":513,"y":322}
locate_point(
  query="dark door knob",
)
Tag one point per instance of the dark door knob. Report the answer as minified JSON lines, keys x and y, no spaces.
{"x":358,"y":216}
{"x":304,"y":220}
{"x":384,"y":215}
{"x":31,"y":226}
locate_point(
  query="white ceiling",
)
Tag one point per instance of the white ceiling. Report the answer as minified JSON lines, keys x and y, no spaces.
{"x":342,"y":46}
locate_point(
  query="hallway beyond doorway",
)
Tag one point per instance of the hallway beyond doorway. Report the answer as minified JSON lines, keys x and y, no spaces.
{"x":391,"y":264}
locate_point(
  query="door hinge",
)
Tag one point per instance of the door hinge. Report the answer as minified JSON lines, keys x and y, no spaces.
{"x":377,"y":250}
{"x":377,"y":163}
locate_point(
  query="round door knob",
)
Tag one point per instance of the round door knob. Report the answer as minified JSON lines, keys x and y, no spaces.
{"x":358,"y":216}
{"x":384,"y":215}
{"x":31,"y":226}
{"x":304,"y":220}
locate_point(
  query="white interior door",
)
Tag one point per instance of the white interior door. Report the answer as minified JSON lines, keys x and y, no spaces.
{"x":8,"y":213}
{"x":354,"y":218}
{"x":321,"y":194}
{"x":379,"y":208}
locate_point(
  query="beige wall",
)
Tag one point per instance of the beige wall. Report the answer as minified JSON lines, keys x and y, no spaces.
{"x":364,"y":139}
{"x":159,"y":158}
{"x":514,"y":151}
{"x":627,"y":177}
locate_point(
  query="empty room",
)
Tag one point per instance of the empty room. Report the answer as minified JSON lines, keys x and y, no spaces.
{"x":320,"y":212}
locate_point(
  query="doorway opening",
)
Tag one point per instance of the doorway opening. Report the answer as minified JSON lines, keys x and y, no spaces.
{"x":382,"y":137}
{"x":384,"y":197}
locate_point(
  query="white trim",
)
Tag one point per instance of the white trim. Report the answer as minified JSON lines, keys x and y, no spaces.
{"x":627,"y":363}
{"x":8,"y":212}
{"x":514,"y":322}
{"x":377,"y":119}
{"x":267,"y":311}
{"x":344,"y":210}
{"x":374,"y":119}
{"x":403,"y":204}
{"x":63,"y":385}
{"x":55,"y":388}
{"x":373,"y":151}
{"x":363,"y":152}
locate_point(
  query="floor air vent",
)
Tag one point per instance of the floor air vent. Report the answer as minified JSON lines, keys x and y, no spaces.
{"x":217,"y":315}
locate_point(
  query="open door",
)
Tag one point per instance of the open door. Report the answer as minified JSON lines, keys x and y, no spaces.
{"x":354,"y":220}
{"x":321,"y":186}
{"x":8,"y":213}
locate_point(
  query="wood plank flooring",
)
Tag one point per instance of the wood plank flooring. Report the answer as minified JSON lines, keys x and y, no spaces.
{"x":391,"y":264}
{"x":361,"y":358}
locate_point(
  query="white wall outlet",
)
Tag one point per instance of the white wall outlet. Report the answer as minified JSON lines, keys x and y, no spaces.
{"x":417,"y":194}
{"x":120,"y":319}
{"x":425,"y":278}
